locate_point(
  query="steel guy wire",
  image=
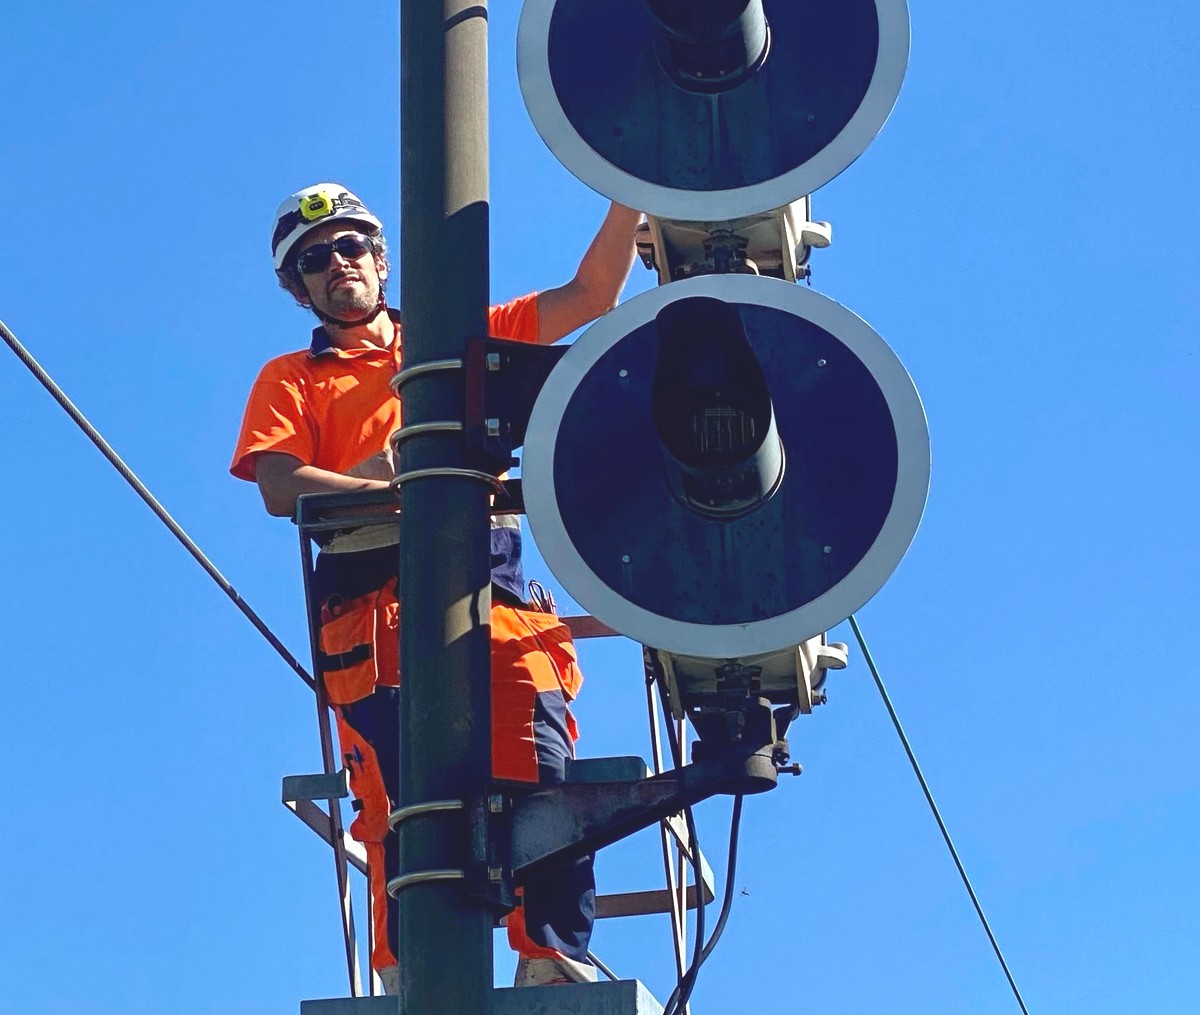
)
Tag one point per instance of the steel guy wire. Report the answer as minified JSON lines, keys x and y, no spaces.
{"x":912,"y":759}
{"x":151,"y":502}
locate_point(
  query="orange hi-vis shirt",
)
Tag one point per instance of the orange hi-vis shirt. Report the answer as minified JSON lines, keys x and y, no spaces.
{"x":332,"y":408}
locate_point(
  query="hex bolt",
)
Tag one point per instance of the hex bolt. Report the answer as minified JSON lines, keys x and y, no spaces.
{"x":622,"y":373}
{"x":625,"y":558}
{"x":820,"y":362}
{"x":828,"y":549}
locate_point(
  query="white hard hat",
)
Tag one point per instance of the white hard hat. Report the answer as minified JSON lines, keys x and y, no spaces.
{"x":311,"y":207}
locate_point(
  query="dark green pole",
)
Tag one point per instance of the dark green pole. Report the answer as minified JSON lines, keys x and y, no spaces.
{"x":444,"y":942}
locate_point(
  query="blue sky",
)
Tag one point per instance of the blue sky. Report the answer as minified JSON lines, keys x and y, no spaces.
{"x":1022,"y":233}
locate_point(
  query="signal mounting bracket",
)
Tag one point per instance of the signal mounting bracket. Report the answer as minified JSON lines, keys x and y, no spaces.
{"x":775,"y":243}
{"x":503,"y":378}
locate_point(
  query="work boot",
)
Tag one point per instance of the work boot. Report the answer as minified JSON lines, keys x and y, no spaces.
{"x":389,"y":976}
{"x":543,"y":972}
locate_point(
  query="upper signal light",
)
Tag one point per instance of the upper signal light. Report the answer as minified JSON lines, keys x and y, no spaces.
{"x":711,"y":109}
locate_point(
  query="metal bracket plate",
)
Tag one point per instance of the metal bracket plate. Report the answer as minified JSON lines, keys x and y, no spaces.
{"x":503,"y":378}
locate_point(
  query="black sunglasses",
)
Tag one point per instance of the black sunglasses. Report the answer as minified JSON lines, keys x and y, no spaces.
{"x":317,"y":257}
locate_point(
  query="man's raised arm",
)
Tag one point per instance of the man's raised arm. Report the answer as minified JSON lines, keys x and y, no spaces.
{"x":598,"y":282}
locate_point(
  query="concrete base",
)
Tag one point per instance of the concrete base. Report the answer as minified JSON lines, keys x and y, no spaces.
{"x":623,"y":997}
{"x":352,"y":1006}
{"x":620,"y":997}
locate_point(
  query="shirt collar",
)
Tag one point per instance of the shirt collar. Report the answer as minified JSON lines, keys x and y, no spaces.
{"x":322,"y":346}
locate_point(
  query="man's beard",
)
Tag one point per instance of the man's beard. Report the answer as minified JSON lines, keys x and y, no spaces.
{"x":351,"y":303}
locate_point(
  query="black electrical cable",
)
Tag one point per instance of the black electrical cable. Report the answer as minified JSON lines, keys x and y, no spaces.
{"x":912,"y":758}
{"x":151,"y":502}
{"x":735,"y":825}
{"x":682,"y":996}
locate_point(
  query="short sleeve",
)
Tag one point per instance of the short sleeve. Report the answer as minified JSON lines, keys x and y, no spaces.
{"x":517,"y":319}
{"x":276,"y":419}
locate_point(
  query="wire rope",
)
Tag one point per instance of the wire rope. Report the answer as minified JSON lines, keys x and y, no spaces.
{"x":152,"y":502}
{"x":912,"y":759}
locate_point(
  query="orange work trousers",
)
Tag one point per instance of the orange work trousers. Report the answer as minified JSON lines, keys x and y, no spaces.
{"x":535,"y":676}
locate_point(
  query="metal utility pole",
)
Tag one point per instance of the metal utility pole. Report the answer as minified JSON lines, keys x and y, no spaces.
{"x":444,"y":943}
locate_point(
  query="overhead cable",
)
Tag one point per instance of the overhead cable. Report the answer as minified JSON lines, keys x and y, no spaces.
{"x":936,"y":813}
{"x":151,"y":502}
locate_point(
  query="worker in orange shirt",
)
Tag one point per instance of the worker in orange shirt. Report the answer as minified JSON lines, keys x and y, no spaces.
{"x":319,"y":420}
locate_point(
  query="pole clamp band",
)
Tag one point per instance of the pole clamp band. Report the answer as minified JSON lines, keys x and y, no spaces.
{"x":433,"y":366}
{"x":397,"y":885}
{"x":483,"y":477}
{"x":420,"y":429}
{"x":401,"y":814}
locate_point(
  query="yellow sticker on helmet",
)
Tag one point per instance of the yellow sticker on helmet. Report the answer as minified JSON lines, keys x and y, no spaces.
{"x":316,"y":206}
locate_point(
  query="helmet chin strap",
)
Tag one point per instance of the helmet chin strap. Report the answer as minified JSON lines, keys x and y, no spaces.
{"x":380,"y":307}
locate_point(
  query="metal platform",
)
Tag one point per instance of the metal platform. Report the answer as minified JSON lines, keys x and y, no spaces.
{"x":621,"y":997}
